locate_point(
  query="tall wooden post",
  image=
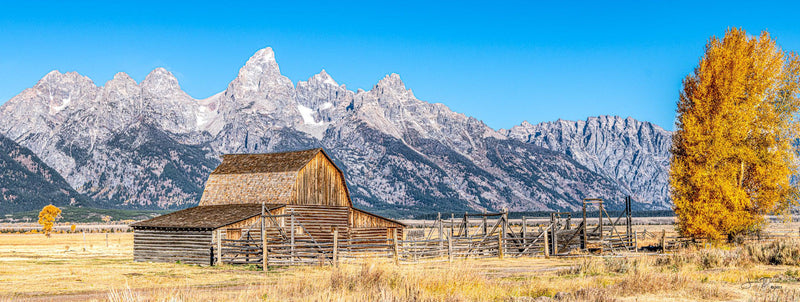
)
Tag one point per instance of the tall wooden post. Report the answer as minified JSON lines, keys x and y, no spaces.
{"x":583,"y":242}
{"x":485,"y":226}
{"x":555,"y":239}
{"x":664,"y":240}
{"x":629,"y":220}
{"x":452,"y":224}
{"x":264,"y":252}
{"x":501,"y":239}
{"x":291,"y":217}
{"x":466,"y":225}
{"x":441,"y":231}
{"x":547,"y":242}
{"x":524,"y":231}
{"x":219,"y":246}
{"x":553,"y":230}
{"x":600,"y":214}
{"x":396,"y":251}
{"x":635,"y":241}
{"x":106,"y":239}
{"x":336,"y":246}
{"x":450,"y":249}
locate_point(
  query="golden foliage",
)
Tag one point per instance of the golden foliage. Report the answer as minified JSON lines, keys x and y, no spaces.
{"x":733,"y":154}
{"x":47,"y":217}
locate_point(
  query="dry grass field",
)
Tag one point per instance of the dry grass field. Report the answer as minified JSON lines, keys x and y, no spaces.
{"x":67,"y":268}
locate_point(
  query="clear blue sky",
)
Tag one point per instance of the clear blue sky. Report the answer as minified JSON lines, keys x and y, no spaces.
{"x":499,"y":62}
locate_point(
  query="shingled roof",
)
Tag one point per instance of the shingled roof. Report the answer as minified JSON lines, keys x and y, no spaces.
{"x":265,"y":163}
{"x":205,"y":217}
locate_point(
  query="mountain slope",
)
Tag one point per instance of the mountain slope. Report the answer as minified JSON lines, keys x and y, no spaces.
{"x":150,"y":145}
{"x":634,"y":153}
{"x":26,"y":183}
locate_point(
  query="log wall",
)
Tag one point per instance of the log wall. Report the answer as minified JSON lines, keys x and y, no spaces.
{"x":154,"y":245}
{"x":319,"y":221}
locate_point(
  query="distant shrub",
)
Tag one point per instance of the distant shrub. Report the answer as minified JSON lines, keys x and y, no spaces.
{"x":47,"y":217}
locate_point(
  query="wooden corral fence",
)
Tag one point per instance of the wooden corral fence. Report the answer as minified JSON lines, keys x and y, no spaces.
{"x":486,"y":235}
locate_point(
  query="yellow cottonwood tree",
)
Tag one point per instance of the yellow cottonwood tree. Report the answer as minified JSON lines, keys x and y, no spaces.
{"x":47,"y":217}
{"x":733,"y":155}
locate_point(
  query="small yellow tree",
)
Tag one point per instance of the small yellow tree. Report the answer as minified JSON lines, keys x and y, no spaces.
{"x":733,"y":154}
{"x":47,"y":217}
{"x":106,"y":218}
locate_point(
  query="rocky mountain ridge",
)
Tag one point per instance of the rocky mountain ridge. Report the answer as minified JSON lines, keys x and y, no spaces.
{"x":26,"y":183}
{"x":150,"y":145}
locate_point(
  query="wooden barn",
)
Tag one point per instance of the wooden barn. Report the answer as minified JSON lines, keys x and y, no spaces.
{"x":302,"y":193}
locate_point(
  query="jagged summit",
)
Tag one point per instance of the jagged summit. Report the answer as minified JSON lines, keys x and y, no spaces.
{"x":391,"y":81}
{"x":56,"y":77}
{"x":260,"y":75}
{"x":264,"y":55}
{"x":262,"y":62}
{"x":161,"y":82}
{"x":121,"y":76}
{"x":324,"y":78}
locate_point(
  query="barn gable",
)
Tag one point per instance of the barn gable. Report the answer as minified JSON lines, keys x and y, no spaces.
{"x":307,"y":177}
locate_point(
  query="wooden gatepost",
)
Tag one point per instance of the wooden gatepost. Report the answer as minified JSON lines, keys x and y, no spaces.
{"x":605,"y":234}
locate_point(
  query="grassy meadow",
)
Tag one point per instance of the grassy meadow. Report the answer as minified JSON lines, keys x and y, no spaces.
{"x":66,"y":267}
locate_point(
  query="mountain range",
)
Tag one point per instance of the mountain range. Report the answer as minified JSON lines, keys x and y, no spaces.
{"x":149,"y":145}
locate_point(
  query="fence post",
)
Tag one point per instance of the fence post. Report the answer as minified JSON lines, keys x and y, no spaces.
{"x":628,"y":218}
{"x":264,"y":252}
{"x":219,"y":246}
{"x":524,"y":231}
{"x":485,"y":225}
{"x":663,"y":240}
{"x":546,"y":243}
{"x":452,"y":224}
{"x":396,"y":257}
{"x":635,"y":241}
{"x":441,"y":231}
{"x":336,"y":247}
{"x":500,"y":246}
{"x":106,"y":239}
{"x":555,"y":240}
{"x":600,"y":214}
{"x":291,"y":259}
{"x":450,"y":249}
{"x":584,"y":237}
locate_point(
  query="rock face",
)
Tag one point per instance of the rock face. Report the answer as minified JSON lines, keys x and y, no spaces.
{"x":634,"y":153}
{"x":151,"y":145}
{"x":26,"y":183}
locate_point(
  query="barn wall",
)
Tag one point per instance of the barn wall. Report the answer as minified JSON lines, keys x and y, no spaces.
{"x":360,"y":219}
{"x":372,"y":234}
{"x":320,"y":183}
{"x":252,"y":226}
{"x":319,"y":220}
{"x":192,"y":247}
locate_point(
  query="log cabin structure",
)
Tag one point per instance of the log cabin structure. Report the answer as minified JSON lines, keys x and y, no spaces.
{"x":302,"y":192}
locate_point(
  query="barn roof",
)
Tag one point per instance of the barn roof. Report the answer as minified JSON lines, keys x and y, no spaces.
{"x":265,"y":163}
{"x":205,"y":217}
{"x":257,"y":178}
